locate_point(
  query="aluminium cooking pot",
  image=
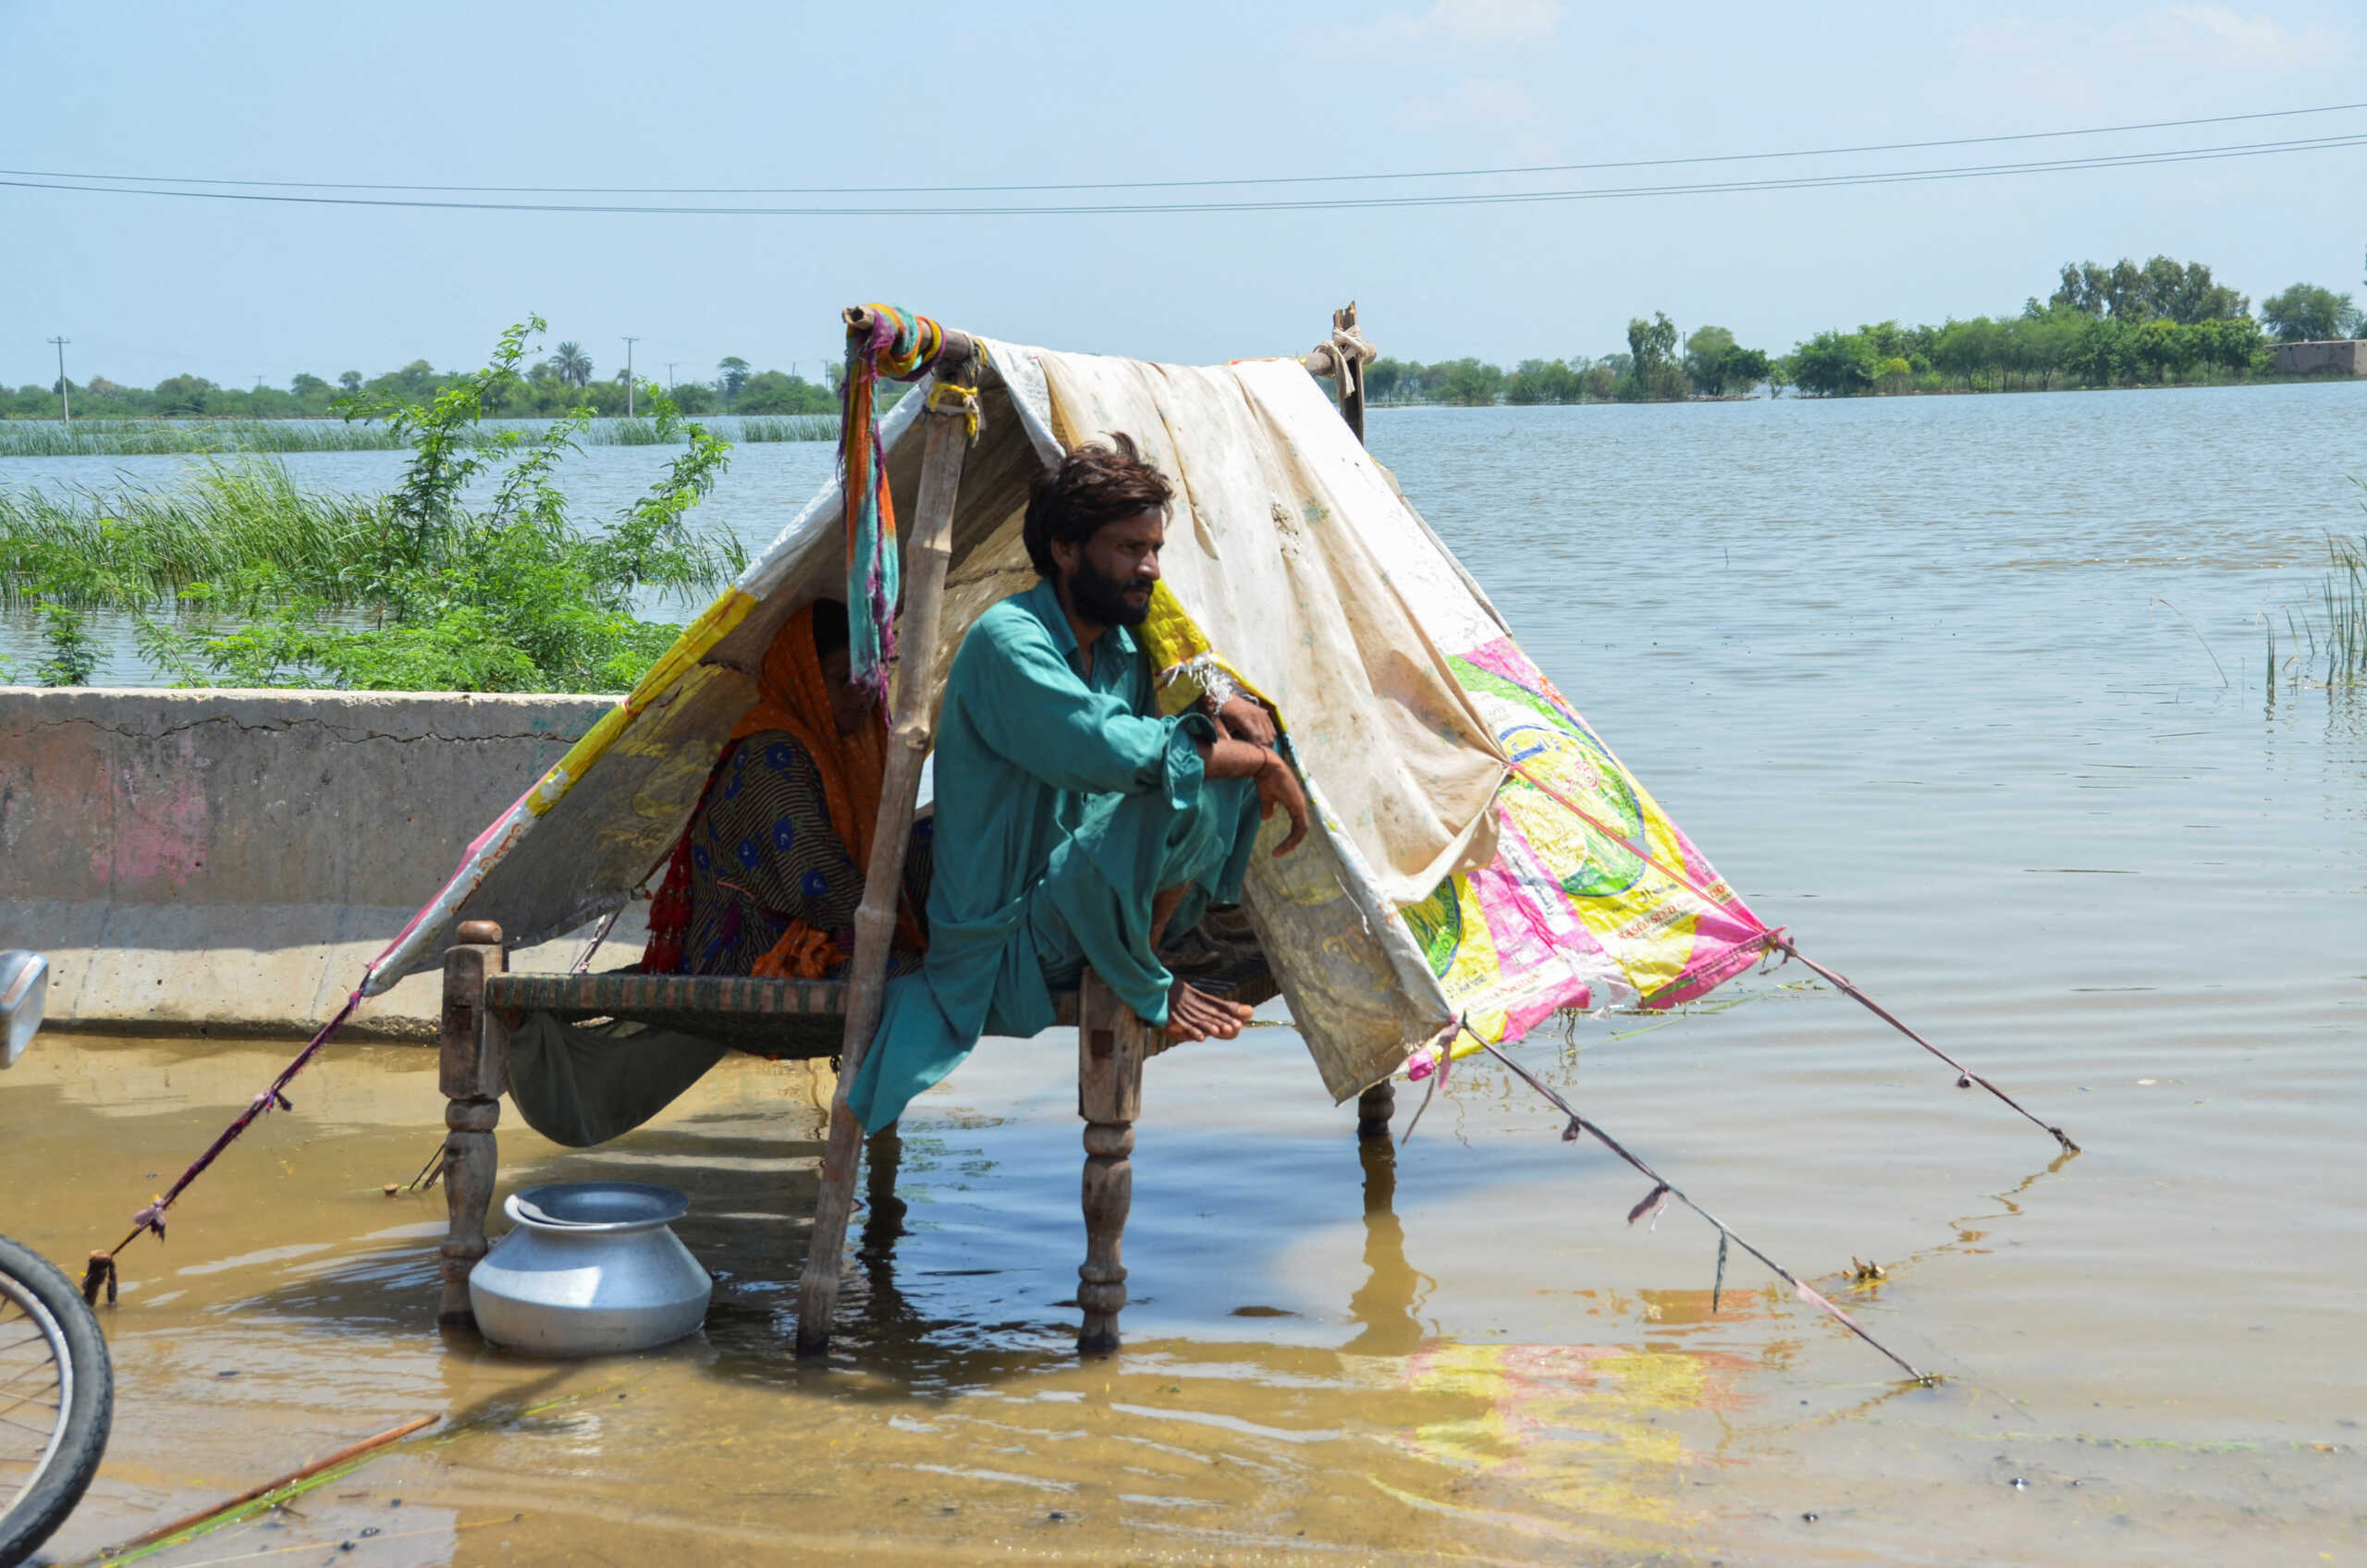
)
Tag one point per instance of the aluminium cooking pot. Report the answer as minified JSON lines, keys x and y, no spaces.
{"x":591,"y":1269}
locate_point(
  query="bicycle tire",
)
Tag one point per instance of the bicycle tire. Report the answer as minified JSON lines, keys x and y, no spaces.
{"x":49,"y":1299}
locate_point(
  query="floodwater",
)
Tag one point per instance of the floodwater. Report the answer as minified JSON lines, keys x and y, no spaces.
{"x":1968,"y":692}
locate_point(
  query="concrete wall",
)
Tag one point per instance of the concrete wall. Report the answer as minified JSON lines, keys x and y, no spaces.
{"x":2335,"y":357}
{"x":227,"y":862}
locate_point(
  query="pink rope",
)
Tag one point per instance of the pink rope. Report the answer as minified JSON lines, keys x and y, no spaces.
{"x":102,"y":1271}
{"x":1777,"y":939}
{"x":1663,"y":1189}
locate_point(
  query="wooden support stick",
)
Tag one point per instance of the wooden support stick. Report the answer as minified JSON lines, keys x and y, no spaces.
{"x":954,"y":357}
{"x":1378,"y":1104}
{"x":1111,"y":1042}
{"x":165,"y":1532}
{"x":474,"y":1071}
{"x":1352,"y":374}
{"x":925,"y":560}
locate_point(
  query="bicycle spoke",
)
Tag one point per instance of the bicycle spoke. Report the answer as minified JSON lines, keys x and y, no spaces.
{"x":30,"y":1366}
{"x":35,"y":1400}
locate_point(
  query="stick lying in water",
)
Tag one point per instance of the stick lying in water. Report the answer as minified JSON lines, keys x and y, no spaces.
{"x":1663,"y":1190}
{"x":166,"y":1532}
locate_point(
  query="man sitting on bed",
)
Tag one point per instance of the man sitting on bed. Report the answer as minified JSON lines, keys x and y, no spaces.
{"x":1075,"y":826}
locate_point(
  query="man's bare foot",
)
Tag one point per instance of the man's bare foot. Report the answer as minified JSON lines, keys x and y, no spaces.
{"x":1195,"y":1015}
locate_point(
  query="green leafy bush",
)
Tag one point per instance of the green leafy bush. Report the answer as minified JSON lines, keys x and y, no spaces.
{"x":240,"y":577}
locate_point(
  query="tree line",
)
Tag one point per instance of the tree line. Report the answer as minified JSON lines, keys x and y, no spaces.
{"x":554,"y":386}
{"x":2126,"y":325}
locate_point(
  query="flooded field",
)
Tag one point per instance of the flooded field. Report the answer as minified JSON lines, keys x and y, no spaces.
{"x":1968,"y":692}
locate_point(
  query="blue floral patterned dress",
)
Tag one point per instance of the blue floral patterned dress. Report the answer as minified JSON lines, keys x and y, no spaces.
{"x":763,"y":853}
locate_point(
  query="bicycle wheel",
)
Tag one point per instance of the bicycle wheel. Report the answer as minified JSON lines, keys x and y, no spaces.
{"x":56,"y":1400}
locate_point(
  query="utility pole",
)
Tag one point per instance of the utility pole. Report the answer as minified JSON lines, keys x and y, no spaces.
{"x":670,"y":373}
{"x":64,"y":399}
{"x":628,"y":343}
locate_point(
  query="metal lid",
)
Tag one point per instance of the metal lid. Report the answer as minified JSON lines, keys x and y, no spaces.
{"x":577,"y":1206}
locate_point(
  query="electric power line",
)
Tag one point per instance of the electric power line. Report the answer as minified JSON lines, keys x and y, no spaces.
{"x":1458,"y":199}
{"x":1175,"y":184}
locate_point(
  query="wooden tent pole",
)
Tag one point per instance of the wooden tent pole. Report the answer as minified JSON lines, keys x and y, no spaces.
{"x":1352,"y":376}
{"x":925,"y":560}
{"x":1379,"y":1103}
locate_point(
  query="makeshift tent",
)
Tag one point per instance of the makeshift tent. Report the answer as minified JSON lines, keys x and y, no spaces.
{"x":1479,"y":858}
{"x":1449,"y":880}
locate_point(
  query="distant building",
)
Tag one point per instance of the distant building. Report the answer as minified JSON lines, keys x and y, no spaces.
{"x":2337,"y":357}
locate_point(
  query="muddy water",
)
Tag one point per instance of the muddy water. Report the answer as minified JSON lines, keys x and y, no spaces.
{"x":1968,"y":692}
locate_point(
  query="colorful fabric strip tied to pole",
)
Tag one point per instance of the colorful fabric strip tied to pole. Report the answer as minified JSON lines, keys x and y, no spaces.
{"x":903,"y":346}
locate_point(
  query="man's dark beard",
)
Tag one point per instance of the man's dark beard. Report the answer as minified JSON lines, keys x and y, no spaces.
{"x":1102,"y":600}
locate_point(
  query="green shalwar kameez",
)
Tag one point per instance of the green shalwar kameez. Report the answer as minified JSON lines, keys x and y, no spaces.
{"x":1064,"y":803}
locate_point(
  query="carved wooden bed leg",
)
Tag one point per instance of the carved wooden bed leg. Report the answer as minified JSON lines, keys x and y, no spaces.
{"x":475,"y":1070}
{"x":1374,"y":1107}
{"x":1112,"y":1044}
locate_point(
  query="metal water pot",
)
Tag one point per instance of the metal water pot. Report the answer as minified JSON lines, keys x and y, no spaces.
{"x":591,"y":1269}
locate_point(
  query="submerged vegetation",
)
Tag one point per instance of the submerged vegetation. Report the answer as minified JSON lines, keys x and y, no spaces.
{"x":134,"y":437}
{"x":558,"y":384}
{"x":2333,"y":648}
{"x":240,"y":577}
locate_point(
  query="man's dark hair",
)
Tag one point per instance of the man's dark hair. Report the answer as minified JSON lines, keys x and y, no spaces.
{"x":830,"y":627}
{"x":1094,"y":486}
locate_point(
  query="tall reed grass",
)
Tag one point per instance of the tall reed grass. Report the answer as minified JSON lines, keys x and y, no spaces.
{"x":142,"y":438}
{"x":2345,"y":596}
{"x":240,"y":527}
{"x":162,"y":437}
{"x":786,"y":427}
{"x":2338,"y":646}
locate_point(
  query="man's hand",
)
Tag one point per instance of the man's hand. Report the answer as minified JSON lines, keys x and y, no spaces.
{"x":1278,"y":786}
{"x":1246,"y":719}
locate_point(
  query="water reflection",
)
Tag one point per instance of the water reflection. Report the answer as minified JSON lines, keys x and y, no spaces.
{"x":1385,"y":1304}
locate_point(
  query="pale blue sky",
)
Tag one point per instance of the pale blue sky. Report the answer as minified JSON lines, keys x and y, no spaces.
{"x":957,"y":93}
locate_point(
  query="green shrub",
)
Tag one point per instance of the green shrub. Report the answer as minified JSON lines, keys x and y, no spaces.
{"x":240,"y":576}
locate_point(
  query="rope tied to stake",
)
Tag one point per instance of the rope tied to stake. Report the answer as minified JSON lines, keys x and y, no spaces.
{"x":100,"y":1273}
{"x":1774,"y":939}
{"x":1663,"y":1190}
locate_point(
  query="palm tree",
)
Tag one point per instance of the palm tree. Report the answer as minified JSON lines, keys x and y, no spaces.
{"x":572,"y":363}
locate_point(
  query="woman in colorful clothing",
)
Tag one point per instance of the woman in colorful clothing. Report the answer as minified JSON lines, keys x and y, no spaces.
{"x":766,"y":880}
{"x":768,"y":875}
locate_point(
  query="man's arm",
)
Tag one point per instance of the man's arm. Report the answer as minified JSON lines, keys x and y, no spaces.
{"x":1030,"y":707}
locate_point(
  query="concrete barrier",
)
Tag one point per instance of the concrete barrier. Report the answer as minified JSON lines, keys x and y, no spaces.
{"x":2324,"y":357}
{"x":226,"y":861}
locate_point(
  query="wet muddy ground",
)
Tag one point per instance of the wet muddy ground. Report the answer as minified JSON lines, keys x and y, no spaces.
{"x":1456,"y":1350}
